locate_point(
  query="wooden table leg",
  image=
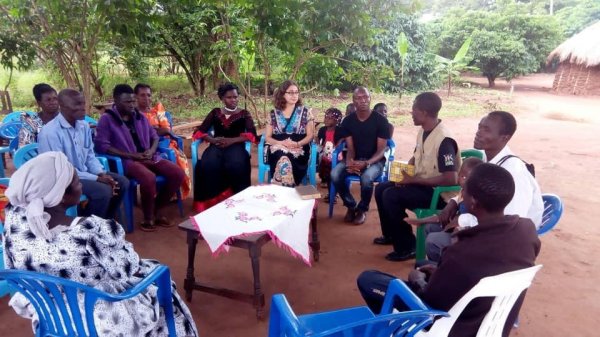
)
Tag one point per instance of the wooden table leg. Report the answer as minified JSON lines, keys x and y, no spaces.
{"x":315,"y":244}
{"x":190,"y":281}
{"x":259,"y":297}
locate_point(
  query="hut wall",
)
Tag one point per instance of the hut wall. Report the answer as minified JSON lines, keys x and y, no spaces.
{"x":577,"y":79}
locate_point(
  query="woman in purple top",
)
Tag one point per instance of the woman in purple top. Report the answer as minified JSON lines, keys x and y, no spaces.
{"x":125,"y":132}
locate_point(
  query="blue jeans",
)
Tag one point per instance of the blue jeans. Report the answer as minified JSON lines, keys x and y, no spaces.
{"x":368,"y":176}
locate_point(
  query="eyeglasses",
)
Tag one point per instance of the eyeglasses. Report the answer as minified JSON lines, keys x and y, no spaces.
{"x":293,"y":93}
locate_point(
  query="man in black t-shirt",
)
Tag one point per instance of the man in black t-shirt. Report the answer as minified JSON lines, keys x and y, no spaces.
{"x":365,"y":134}
{"x":431,"y":169}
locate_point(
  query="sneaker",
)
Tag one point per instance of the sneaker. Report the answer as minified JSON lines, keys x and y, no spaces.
{"x":360,"y":217}
{"x":400,"y":256}
{"x":350,"y":214}
{"x":148,"y":227}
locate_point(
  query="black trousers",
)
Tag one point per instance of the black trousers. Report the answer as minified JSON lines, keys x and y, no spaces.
{"x":373,"y":285}
{"x":392,"y":202}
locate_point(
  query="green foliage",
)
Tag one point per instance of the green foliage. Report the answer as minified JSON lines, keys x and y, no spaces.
{"x":451,"y":68}
{"x":578,"y":15}
{"x":382,"y":62}
{"x":505,"y":44}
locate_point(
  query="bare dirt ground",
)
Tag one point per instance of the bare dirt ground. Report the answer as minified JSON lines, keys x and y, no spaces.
{"x":559,"y":134}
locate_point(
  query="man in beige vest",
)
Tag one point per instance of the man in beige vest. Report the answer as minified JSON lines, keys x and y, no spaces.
{"x":436,"y":159}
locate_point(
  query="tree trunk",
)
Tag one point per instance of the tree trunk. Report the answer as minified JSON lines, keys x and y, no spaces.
{"x":491,"y":81}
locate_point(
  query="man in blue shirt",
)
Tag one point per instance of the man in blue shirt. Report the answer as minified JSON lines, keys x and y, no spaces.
{"x":68,"y":133}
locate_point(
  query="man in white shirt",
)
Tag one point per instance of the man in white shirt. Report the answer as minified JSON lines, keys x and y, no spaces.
{"x":493,"y":134}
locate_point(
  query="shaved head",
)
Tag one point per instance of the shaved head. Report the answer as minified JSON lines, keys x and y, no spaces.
{"x":361,"y":98}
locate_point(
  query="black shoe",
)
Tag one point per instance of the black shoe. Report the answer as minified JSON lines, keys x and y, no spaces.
{"x":360,"y":217}
{"x":350,"y":215}
{"x":382,"y":240}
{"x":400,"y":256}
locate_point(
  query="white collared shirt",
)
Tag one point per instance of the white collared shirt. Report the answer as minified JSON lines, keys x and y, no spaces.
{"x":527,"y":201}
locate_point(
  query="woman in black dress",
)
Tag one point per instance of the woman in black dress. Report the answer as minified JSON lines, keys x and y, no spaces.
{"x":224,"y":168}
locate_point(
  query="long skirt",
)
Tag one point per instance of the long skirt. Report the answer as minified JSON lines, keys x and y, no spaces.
{"x":220,"y":173}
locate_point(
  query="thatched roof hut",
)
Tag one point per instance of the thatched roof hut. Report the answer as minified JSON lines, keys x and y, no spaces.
{"x":578,"y":71}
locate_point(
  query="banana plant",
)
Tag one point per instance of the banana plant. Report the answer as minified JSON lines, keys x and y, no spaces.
{"x":452,"y":68}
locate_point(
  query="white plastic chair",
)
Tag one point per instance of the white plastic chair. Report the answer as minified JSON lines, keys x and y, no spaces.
{"x":506,"y":288}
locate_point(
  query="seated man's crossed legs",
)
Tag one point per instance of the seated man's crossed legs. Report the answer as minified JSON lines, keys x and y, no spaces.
{"x":356,"y":213}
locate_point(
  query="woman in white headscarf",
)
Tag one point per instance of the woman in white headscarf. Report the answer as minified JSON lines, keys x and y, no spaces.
{"x":92,"y":251}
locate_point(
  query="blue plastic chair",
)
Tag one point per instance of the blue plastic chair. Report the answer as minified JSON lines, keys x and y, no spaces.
{"x":264,"y":169}
{"x":56,"y":300}
{"x":24,"y":154}
{"x":356,"y":321}
{"x":15,"y":116}
{"x":553,"y":209}
{"x":434,"y":205}
{"x":389,"y":156}
{"x":116,"y":165}
{"x":4,"y":289}
{"x":166,"y":140}
{"x":9,"y":131}
{"x":91,"y":121}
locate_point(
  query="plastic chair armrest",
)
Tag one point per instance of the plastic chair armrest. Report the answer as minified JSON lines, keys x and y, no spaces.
{"x":437,"y":192}
{"x":397,"y":288}
{"x":169,"y":152}
{"x":336,"y":152}
{"x":118,"y":162}
{"x":195,"y":145}
{"x":282,"y":314}
{"x":158,"y":272}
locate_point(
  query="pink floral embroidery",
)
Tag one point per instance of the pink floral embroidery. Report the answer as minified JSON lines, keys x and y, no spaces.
{"x":244,"y":217}
{"x":284,"y":211}
{"x":270,"y":197}
{"x":230,"y":203}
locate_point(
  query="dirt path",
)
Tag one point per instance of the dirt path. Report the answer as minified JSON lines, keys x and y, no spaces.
{"x":563,"y":301}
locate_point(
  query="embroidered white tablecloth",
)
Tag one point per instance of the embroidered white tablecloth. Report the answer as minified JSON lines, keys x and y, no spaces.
{"x":275,"y":210}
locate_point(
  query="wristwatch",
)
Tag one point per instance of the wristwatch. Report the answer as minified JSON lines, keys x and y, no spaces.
{"x":368,"y":164}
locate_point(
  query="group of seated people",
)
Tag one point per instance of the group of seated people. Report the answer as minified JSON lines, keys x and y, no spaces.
{"x":489,"y":228}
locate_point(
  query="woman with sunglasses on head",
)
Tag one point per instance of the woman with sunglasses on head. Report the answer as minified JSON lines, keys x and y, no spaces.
{"x":289,"y":133}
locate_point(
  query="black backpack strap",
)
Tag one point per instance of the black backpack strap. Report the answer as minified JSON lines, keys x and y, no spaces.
{"x":528,"y":166}
{"x":505,"y":158}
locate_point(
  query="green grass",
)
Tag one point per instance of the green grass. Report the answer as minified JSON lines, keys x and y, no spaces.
{"x":176,"y":95}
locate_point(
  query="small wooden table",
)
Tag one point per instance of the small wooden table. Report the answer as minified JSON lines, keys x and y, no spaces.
{"x":253,"y":243}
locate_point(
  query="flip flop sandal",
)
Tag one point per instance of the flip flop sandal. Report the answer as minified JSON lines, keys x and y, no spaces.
{"x":148,"y":227}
